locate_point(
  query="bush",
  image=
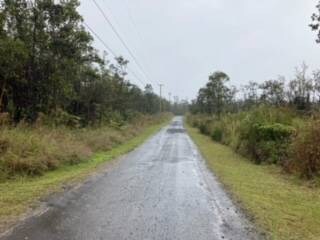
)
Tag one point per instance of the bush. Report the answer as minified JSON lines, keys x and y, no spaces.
{"x":268,"y":135}
{"x":203,"y":127}
{"x":263,"y":133}
{"x":217,"y":134}
{"x":305,"y":157}
{"x":58,"y":117}
{"x":271,"y":142}
{"x":274,"y":132}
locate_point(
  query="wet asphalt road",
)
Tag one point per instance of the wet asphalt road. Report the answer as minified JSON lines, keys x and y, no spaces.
{"x":160,"y":191}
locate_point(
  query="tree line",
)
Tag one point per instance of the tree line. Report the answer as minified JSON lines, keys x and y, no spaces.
{"x":49,"y":66}
{"x":217,"y":97}
{"x":301,"y":93}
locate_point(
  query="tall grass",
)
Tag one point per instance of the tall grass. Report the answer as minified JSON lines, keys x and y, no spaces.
{"x":268,"y":135}
{"x":26,"y":150}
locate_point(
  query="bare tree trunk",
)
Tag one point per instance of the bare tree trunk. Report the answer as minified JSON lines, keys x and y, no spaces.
{"x":2,"y":95}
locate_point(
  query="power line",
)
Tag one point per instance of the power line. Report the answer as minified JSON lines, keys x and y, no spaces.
{"x":133,"y":23}
{"x":100,"y":39}
{"x":121,"y":39}
{"x":146,"y":74}
{"x":111,"y":51}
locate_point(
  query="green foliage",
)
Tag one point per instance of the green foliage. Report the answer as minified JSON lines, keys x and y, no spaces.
{"x":315,"y":25}
{"x":264,"y":134}
{"x":59,"y":118}
{"x":305,"y":151}
{"x":302,"y":93}
{"x":48,"y":66}
{"x":217,"y":134}
{"x":273,"y":132}
{"x":284,"y":206}
{"x":268,"y":135}
{"x":215,"y":96}
{"x":33,"y":151}
{"x":269,"y":142}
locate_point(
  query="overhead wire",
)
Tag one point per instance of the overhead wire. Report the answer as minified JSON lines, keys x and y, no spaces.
{"x":113,"y":28}
{"x":108,"y":48}
{"x":133,"y":22}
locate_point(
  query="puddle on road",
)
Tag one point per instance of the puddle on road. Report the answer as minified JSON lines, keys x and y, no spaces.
{"x":176,"y":130}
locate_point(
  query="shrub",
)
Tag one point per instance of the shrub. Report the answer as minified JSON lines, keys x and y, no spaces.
{"x":263,"y":133}
{"x":58,"y":117}
{"x":305,"y":157}
{"x":274,"y":132}
{"x":217,"y":134}
{"x":272,"y":142}
{"x":203,"y":128}
{"x":269,"y":135}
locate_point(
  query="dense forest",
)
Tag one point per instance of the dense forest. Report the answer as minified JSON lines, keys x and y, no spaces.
{"x":49,"y":68}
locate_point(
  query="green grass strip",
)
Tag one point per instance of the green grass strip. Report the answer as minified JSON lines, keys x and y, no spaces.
{"x":287,"y":208}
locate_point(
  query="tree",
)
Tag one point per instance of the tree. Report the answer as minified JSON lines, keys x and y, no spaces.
{"x":151,"y":100}
{"x":300,"y":88}
{"x":250,"y":94}
{"x":13,"y":56}
{"x":214,"y":96}
{"x":48,"y":65}
{"x":316,"y":82}
{"x":273,"y":91}
{"x":315,"y":25}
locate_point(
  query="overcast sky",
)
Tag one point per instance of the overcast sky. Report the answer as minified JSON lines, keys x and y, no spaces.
{"x":180,"y":42}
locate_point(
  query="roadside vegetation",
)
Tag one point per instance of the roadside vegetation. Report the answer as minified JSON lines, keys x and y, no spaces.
{"x":273,"y":122}
{"x":286,"y":207}
{"x":21,"y":192}
{"x":32,"y":151}
{"x":64,"y":106}
{"x":60,"y":99}
{"x":264,"y":146}
{"x":263,"y":142}
{"x":270,"y":123}
{"x":49,"y":69}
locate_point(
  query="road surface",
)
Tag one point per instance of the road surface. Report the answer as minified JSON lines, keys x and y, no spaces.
{"x":160,"y":191}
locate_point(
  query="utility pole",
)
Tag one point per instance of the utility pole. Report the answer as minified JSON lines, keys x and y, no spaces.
{"x":170,"y":105}
{"x":160,"y":100}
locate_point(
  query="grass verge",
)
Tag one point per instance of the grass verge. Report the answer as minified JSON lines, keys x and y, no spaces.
{"x":282,"y":205}
{"x":18,"y":195}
